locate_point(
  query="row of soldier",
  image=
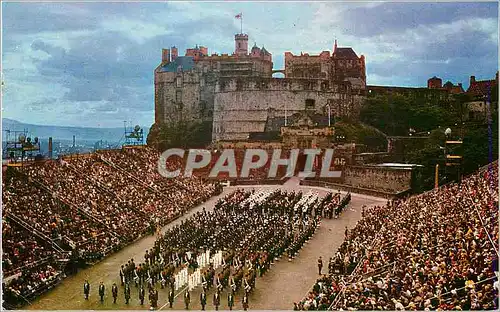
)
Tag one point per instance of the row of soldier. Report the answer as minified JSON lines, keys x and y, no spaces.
{"x":216,"y":300}
{"x":153,"y":293}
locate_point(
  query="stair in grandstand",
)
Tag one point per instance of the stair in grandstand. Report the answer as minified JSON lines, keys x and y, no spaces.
{"x":104,"y":188}
{"x":67,"y":203}
{"x":35,"y":232}
{"x":173,"y":180}
{"x":118,"y":168}
{"x":123,"y":171}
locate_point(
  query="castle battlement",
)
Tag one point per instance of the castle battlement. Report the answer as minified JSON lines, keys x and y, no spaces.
{"x":235,"y":84}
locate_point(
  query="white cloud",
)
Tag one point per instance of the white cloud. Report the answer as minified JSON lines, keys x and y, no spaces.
{"x":125,"y":39}
{"x":137,"y":30}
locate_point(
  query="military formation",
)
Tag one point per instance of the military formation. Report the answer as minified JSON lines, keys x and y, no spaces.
{"x":253,"y":229}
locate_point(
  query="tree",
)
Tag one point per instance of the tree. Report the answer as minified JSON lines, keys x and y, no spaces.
{"x":395,"y":114}
{"x":182,"y":134}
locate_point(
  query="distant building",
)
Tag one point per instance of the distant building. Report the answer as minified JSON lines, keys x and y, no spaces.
{"x":434,"y":83}
{"x":435,"y":90}
{"x":437,"y":83}
{"x":481,"y":91}
{"x":453,"y":89}
{"x":431,"y":94}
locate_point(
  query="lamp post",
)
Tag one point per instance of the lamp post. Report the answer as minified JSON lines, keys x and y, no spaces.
{"x":329,"y":115}
{"x":285,"y":114}
{"x":436,"y":177}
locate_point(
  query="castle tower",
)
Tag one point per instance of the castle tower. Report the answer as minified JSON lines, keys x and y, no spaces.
{"x":434,"y":83}
{"x":241,"y":44}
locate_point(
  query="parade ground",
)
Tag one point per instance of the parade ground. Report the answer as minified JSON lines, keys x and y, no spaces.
{"x":287,"y":282}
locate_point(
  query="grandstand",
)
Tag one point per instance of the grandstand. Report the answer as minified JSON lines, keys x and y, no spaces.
{"x":88,"y":206}
{"x":436,"y":250}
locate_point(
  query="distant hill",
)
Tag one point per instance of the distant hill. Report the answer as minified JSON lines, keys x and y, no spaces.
{"x":43,"y":132}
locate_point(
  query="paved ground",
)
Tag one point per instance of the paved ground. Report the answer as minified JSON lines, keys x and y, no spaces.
{"x":284,"y":284}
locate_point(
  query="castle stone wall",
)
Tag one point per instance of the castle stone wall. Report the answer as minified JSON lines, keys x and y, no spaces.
{"x":242,"y":106}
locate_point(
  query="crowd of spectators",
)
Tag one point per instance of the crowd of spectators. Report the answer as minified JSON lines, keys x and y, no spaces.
{"x":239,"y":158}
{"x":433,"y":251}
{"x":31,"y":281}
{"x":142,"y":164}
{"x":127,"y":190}
{"x":54,"y":218}
{"x":85,"y":206}
{"x":29,"y":263}
{"x":79,"y":190}
{"x":21,"y":248}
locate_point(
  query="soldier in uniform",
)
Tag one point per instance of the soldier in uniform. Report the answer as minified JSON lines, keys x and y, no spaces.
{"x":127,"y":293}
{"x":230,"y":300}
{"x":142,"y":294}
{"x":245,"y":301}
{"x":320,"y":265}
{"x":114,"y":290}
{"x":136,"y":276}
{"x":151,"y":297}
{"x":218,"y":282}
{"x":187,"y":299}
{"x":171,"y":297}
{"x":154,"y":303}
{"x":122,"y":275}
{"x":101,"y":291}
{"x":217,"y":300}
{"x":203,"y":300}
{"x":204,"y":282}
{"x":86,"y":289}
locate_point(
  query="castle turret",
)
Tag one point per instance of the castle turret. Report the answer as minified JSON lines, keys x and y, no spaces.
{"x":255,"y":51}
{"x":175,"y":54}
{"x":241,"y":44}
{"x":165,"y":56}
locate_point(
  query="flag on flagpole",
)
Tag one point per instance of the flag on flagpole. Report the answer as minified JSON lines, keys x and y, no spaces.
{"x":240,"y":17}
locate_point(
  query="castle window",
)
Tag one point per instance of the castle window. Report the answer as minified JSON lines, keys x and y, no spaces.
{"x":310,"y":103}
{"x":203,"y":105}
{"x":178,"y":82}
{"x":178,"y":96}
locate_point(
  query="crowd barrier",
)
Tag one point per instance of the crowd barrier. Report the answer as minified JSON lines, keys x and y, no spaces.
{"x":260,"y":182}
{"x":232,"y":182}
{"x":357,"y":190}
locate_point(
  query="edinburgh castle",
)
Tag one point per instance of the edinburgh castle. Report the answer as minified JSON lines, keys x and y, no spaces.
{"x":238,"y":95}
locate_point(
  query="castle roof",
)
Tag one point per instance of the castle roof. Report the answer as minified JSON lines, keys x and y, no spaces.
{"x":345,"y":53}
{"x":448,"y":84}
{"x":255,"y":48}
{"x":186,"y":62}
{"x":481,"y":88}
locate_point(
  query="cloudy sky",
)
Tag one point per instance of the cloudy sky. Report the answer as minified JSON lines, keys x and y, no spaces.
{"x":91,"y":64}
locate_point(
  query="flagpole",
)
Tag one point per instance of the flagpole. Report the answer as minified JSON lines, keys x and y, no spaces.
{"x":241,"y":23}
